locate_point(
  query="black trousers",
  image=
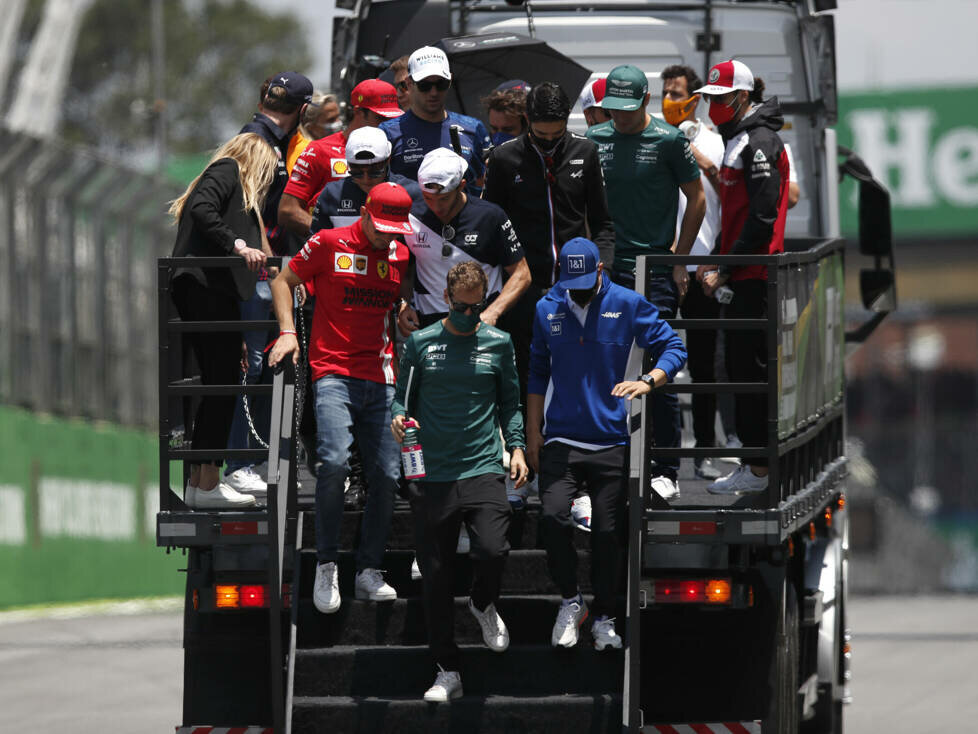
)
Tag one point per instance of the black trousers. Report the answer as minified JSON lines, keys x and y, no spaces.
{"x":747,"y":362}
{"x":563,"y":470}
{"x":440,"y":509}
{"x":218,"y":355}
{"x":701,"y":345}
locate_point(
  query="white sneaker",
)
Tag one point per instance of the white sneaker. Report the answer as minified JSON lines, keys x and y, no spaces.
{"x":581,"y":512}
{"x":464,"y":543}
{"x":603,"y":631}
{"x":448,"y":685}
{"x":326,"y":592}
{"x":569,"y":619}
{"x":494,"y":632}
{"x":246,"y":481}
{"x":516,"y":497}
{"x":667,"y":488}
{"x":370,"y":586}
{"x":222,"y":497}
{"x":415,"y":570}
{"x":262,"y":471}
{"x":740,"y":481}
{"x":733,"y":442}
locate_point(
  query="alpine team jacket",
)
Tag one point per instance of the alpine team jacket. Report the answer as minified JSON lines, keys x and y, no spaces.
{"x":575,"y":367}
{"x":753,"y":189}
{"x":548,"y":208}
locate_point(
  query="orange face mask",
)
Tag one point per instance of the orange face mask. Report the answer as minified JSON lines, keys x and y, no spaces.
{"x":676,"y":112}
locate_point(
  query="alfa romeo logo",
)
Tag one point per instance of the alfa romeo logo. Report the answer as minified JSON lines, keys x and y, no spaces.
{"x":714,"y":75}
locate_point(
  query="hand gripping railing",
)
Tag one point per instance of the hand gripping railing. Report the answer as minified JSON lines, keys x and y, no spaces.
{"x":281,"y":510}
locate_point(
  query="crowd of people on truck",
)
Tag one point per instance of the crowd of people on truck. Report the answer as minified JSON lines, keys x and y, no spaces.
{"x":481,"y":283}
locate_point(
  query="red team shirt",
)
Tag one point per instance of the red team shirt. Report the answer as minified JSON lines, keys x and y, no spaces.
{"x":322,"y":161}
{"x":356,"y":286}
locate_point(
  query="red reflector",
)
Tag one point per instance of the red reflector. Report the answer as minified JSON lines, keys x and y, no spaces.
{"x":243,"y":527}
{"x":252,"y":596}
{"x":690,"y":527}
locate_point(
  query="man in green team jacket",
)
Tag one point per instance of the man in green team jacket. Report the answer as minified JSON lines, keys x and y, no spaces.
{"x":458,"y":382}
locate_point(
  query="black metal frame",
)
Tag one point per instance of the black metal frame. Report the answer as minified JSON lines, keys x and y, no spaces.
{"x":806,"y":468}
{"x":281,"y":513}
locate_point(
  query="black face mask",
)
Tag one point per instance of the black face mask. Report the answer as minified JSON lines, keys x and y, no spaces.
{"x":547,"y":147}
{"x":583,"y":297}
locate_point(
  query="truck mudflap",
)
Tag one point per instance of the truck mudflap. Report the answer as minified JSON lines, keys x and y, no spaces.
{"x":198,"y":729}
{"x":727,"y":727}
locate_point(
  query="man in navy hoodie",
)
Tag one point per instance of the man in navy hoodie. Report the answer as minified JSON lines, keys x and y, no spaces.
{"x":585,"y":364}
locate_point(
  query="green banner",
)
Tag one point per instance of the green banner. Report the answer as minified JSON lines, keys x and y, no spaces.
{"x":923,"y":145}
{"x":78,"y":507}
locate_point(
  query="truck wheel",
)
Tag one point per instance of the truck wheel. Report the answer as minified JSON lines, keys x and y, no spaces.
{"x":783,"y":713}
{"x":828,"y":712}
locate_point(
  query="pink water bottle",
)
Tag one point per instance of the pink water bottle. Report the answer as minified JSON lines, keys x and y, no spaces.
{"x":411,"y":457}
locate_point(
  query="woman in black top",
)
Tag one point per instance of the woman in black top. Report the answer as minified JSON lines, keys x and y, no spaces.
{"x":219,"y":215}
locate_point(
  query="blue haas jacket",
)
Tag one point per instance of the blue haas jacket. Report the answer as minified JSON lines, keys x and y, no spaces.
{"x":576,"y":367}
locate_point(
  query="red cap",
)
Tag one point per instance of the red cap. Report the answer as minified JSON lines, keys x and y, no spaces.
{"x":726,"y":77}
{"x":377,"y":96}
{"x":389,"y":205}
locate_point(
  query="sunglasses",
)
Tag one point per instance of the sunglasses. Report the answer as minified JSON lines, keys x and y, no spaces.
{"x":447,"y":234}
{"x":441,"y":85}
{"x":377,"y":172}
{"x":461,"y":307}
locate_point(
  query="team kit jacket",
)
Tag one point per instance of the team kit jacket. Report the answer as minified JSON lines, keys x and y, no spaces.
{"x":356,"y":285}
{"x":322,"y":161}
{"x":339,"y":203}
{"x":574,"y":367}
{"x":482,"y":233}
{"x":411,"y":137}
{"x":551,"y":199}
{"x":642,"y":174}
{"x":754,"y":188}
{"x":463,"y":390}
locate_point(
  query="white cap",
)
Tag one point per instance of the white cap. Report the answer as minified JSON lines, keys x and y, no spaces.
{"x":592,"y":94}
{"x":442,"y":166}
{"x":367,"y":145}
{"x":726,"y":77}
{"x":428,"y":61}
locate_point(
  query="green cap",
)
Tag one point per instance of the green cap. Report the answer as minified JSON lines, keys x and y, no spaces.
{"x":625,"y":89}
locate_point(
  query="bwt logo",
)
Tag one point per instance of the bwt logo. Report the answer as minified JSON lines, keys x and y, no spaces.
{"x":576,"y":264}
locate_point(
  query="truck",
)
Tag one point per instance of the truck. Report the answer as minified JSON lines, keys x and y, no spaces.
{"x":734,"y":608}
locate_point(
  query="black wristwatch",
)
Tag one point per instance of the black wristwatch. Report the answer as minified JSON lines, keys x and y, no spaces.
{"x":648,"y":380}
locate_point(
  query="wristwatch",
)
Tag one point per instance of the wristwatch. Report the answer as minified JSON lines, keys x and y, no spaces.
{"x":648,"y":380}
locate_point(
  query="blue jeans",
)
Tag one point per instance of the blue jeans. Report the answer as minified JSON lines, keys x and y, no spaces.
{"x":348,"y":407}
{"x":663,"y":293}
{"x":256,"y":308}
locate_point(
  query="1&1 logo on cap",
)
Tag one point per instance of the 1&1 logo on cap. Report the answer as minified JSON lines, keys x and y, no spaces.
{"x":576,"y":264}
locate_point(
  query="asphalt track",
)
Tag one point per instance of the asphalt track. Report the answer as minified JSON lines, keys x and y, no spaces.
{"x":915,"y":664}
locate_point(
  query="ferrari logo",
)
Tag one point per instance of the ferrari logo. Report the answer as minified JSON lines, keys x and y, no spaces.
{"x":382,"y":268}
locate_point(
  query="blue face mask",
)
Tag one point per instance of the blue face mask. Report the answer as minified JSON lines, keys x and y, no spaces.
{"x":463,"y":322}
{"x":500,"y":138}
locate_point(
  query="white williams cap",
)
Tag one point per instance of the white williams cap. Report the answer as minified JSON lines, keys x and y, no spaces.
{"x":428,"y":61}
{"x":367,"y":145}
{"x":441,"y":167}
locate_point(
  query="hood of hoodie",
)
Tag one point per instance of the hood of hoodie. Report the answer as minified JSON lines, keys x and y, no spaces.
{"x":766,"y":114}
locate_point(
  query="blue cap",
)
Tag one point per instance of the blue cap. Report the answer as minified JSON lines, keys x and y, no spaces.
{"x":578,"y":264}
{"x":517,"y":85}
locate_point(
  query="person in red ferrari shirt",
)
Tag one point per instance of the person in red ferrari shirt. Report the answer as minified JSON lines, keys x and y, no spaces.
{"x":359,"y":273}
{"x":753,"y":191}
{"x":324,"y":160}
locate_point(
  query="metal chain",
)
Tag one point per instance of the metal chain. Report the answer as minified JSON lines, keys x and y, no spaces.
{"x":300,"y":384}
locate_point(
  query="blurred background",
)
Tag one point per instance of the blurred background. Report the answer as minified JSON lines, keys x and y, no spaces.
{"x":111,"y":107}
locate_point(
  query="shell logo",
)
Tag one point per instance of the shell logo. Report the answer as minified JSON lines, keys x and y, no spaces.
{"x":340,"y":168}
{"x":345,"y":262}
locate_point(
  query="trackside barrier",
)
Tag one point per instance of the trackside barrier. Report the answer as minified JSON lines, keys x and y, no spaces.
{"x":278,"y":524}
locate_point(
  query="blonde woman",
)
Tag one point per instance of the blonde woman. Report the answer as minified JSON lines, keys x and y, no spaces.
{"x":218,"y":215}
